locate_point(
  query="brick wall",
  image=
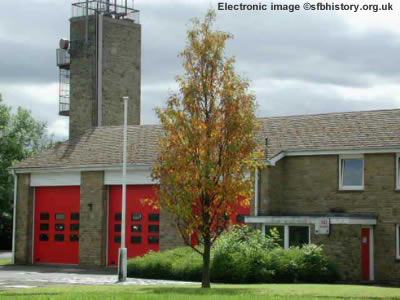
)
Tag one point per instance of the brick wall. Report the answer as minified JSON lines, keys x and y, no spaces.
{"x":93,"y":231}
{"x":24,"y":220}
{"x":310,"y":185}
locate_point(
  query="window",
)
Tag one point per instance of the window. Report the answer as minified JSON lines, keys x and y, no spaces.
{"x":74,"y":227}
{"x":136,"y":228}
{"x":59,"y":238}
{"x":298,"y":236}
{"x":280,"y":230}
{"x":44,"y":226}
{"x":59,"y":227}
{"x":118,"y":217}
{"x":117,"y":239}
{"x":398,"y":171}
{"x":136,"y":239}
{"x":74,"y":238}
{"x":44,"y":216}
{"x":154,"y":217}
{"x":351,"y":172}
{"x":44,"y":237}
{"x":240,"y":218}
{"x":153,"y":240}
{"x":290,"y":235}
{"x":154,"y":228}
{"x":137,"y":217}
{"x":75,"y":216}
{"x":60,"y":216}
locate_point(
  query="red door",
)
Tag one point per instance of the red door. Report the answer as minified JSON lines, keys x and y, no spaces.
{"x":142,"y":222}
{"x":365,"y":253}
{"x":57,"y":225}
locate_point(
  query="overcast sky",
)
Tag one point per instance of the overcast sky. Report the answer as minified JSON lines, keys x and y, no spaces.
{"x":298,"y":63}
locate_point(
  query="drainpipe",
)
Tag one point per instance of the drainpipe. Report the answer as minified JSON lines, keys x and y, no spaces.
{"x":14,"y":215}
{"x":256,"y":194}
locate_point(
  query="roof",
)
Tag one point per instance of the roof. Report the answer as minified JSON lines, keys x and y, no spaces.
{"x":99,"y":146}
{"x":333,"y":131}
{"x":352,"y":130}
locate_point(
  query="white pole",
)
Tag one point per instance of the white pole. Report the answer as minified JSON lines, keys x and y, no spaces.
{"x":123,"y":257}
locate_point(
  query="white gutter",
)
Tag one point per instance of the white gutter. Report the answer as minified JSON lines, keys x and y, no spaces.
{"x":275,"y":220}
{"x":14,"y":216}
{"x":315,"y":152}
{"x":82,"y":168}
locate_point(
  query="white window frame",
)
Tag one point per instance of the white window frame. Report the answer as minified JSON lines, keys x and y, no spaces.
{"x":397,"y":241}
{"x":350,"y":187}
{"x":397,"y":172}
{"x":286,"y":232}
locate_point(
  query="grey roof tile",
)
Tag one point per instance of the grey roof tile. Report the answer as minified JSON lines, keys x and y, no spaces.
{"x":102,"y":145}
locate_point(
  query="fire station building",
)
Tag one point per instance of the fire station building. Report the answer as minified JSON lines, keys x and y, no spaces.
{"x":330,"y":179}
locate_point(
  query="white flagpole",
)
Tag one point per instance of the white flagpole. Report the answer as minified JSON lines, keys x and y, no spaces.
{"x":123,"y":255}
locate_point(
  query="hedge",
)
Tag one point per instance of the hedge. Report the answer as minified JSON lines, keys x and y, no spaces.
{"x":242,"y":255}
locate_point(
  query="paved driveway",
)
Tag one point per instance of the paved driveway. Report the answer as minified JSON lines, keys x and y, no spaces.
{"x":35,"y":276}
{"x":5,"y":255}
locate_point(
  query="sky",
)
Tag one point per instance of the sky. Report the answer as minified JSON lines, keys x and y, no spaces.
{"x":300,"y":62}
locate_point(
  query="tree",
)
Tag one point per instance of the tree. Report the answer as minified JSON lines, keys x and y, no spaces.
{"x":209,"y":145}
{"x":20,"y":136}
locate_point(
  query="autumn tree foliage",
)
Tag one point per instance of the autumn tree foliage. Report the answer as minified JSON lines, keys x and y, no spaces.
{"x":208,"y":152}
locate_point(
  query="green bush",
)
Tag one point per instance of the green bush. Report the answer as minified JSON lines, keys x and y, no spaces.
{"x":178,"y":264}
{"x":243,"y":252}
{"x":241,"y":255}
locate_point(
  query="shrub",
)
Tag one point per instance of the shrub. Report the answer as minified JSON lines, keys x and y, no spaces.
{"x":243,"y":252}
{"x":177,"y":264}
{"x":241,"y":255}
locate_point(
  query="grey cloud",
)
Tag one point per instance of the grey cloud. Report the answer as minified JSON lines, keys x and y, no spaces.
{"x":300,"y":98}
{"x":313,"y":48}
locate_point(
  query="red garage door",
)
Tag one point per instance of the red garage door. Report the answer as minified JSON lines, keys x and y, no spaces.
{"x":57,"y":225}
{"x":142,"y":222}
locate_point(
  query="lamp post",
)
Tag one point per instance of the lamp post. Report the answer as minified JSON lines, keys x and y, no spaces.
{"x":123,"y":256}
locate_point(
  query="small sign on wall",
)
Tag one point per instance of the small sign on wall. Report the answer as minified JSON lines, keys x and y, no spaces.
{"x":322,"y":226}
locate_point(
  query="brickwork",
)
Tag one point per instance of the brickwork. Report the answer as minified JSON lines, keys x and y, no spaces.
{"x":24,"y":221}
{"x":93,"y":231}
{"x":310,"y":185}
{"x":121,"y":73}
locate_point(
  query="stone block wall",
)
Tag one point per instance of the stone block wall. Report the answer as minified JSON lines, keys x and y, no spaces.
{"x":311,"y":185}
{"x":170,"y":236}
{"x":343,"y":245}
{"x":93,"y":219}
{"x":83,"y":104}
{"x":24,"y":220}
{"x":121,"y":72}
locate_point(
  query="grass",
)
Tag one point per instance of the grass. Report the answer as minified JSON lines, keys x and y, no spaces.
{"x":4,"y":261}
{"x":231,"y":292}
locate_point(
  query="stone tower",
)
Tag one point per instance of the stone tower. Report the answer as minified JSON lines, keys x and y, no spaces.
{"x":104,"y":65}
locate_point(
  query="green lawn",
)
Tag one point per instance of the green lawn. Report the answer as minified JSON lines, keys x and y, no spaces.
{"x":239,"y":292}
{"x":5,"y":262}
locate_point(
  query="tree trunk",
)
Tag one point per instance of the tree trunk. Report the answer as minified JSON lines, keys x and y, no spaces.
{"x":205,"y":280}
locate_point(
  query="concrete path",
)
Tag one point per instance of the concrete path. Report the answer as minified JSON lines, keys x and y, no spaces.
{"x":34,"y":276}
{"x":5,"y":255}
